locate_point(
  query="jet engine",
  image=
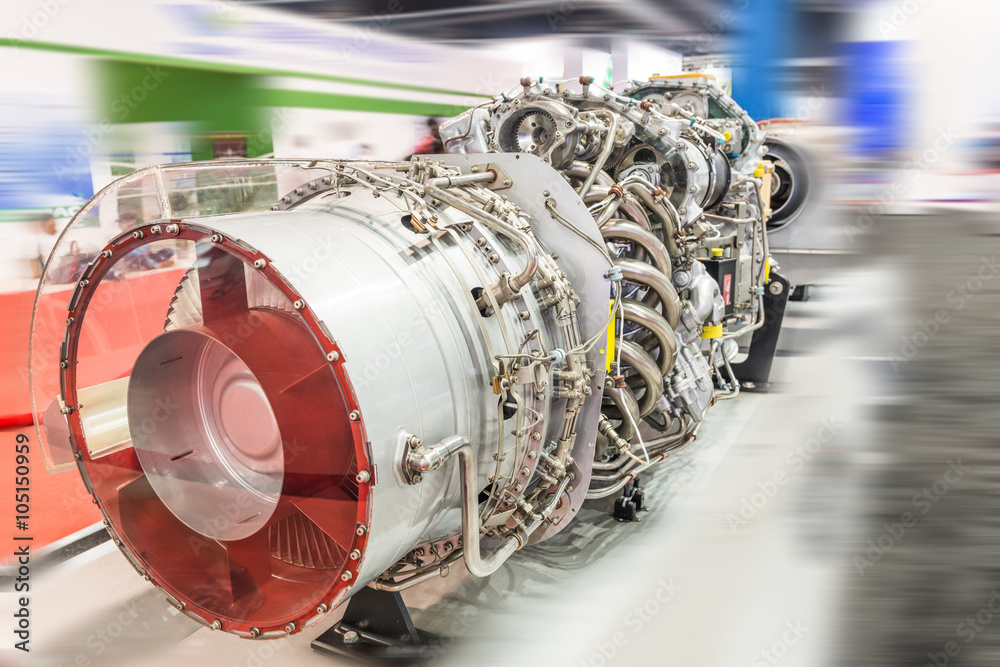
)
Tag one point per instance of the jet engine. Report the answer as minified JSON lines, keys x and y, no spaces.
{"x":391,"y":368}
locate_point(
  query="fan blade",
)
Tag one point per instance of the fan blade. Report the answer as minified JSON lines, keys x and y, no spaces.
{"x":222,"y":283}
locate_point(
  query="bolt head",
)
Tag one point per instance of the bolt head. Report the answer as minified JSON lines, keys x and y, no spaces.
{"x":216,"y":624}
{"x":351,"y":637}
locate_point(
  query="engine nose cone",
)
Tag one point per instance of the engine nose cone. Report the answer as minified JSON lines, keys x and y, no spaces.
{"x":205,"y":435}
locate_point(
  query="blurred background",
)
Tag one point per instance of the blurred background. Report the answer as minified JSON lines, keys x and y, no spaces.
{"x":885,"y":388}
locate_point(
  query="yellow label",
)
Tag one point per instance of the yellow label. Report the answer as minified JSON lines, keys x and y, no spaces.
{"x":611,"y":339}
{"x":712,"y":331}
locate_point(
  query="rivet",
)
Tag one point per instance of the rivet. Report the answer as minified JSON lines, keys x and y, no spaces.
{"x":63,"y":364}
{"x":216,"y":238}
{"x":137,"y":234}
{"x":333,"y":356}
{"x":299,"y":304}
{"x":524,"y":314}
{"x":355,"y":415}
{"x":536,"y":436}
{"x":290,"y":628}
{"x":347,"y":576}
{"x":155,"y":229}
{"x":531,"y":456}
{"x":363,"y":476}
{"x":355,"y":554}
{"x":494,"y":258}
{"x":254,"y":632}
{"x":216,"y":624}
{"x":106,"y":254}
{"x":524,"y":472}
{"x":481,"y":241}
{"x":361,"y":530}
{"x":322,"y":609}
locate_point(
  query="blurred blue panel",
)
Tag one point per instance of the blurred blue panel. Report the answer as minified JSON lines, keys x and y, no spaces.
{"x":762,"y":29}
{"x":44,"y":155}
{"x":876,"y":89}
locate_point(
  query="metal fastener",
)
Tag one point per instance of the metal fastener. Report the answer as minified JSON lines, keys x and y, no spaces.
{"x":216,"y":238}
{"x":363,"y":476}
{"x":333,"y":356}
{"x":254,"y":633}
{"x":347,"y":576}
{"x":355,"y":415}
{"x":290,"y":628}
{"x":351,"y":637}
{"x":260,"y":263}
{"x":355,"y":554}
{"x":137,"y":234}
{"x":361,"y":530}
{"x":299,"y":304}
{"x":524,"y":314}
{"x":322,"y":609}
{"x":173,"y":229}
{"x":216,"y":624}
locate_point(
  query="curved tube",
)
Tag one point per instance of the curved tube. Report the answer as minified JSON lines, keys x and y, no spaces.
{"x":652,"y":245}
{"x":635,"y":213}
{"x":479,"y":565}
{"x":580,"y":170}
{"x":652,"y":321}
{"x":525,"y":241}
{"x":625,"y":401}
{"x":640,"y":272}
{"x":648,"y":371}
{"x":609,"y":145}
{"x":669,"y":223}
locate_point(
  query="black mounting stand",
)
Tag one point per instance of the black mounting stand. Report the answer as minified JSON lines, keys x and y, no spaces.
{"x":631,"y":502}
{"x":754,"y":372}
{"x":377,"y":628}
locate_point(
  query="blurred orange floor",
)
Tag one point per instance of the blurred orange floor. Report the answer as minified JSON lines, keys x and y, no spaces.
{"x":60,"y":505}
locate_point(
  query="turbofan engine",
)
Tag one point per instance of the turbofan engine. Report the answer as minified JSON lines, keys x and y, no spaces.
{"x":395,"y":367}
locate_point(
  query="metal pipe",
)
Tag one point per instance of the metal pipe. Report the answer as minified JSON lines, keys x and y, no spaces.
{"x":450,"y":181}
{"x":525,"y":241}
{"x":437,"y":570}
{"x":652,"y":321}
{"x":646,"y":367}
{"x":668,"y":220}
{"x":602,"y":157}
{"x":652,"y":245}
{"x":479,"y":565}
{"x":640,"y":272}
